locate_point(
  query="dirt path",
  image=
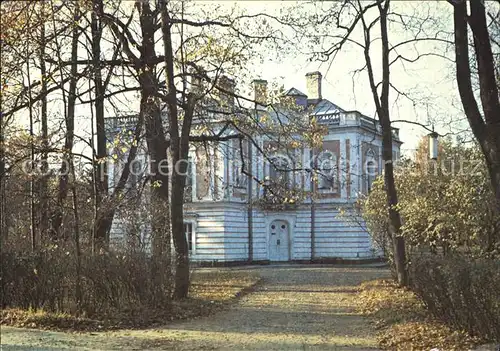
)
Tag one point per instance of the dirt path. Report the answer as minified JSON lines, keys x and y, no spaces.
{"x":297,"y":307}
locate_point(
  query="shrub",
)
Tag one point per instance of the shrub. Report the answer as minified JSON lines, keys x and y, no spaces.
{"x":101,"y":285}
{"x":443,"y":206}
{"x":463,"y":292}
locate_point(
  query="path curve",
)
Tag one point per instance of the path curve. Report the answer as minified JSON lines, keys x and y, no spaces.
{"x":296,"y":307}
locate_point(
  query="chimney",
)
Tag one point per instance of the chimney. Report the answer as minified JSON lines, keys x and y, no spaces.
{"x":227,"y":84}
{"x":260,"y":91}
{"x":313,"y":80}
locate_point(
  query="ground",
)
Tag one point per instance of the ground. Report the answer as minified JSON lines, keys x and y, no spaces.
{"x":295,"y":307}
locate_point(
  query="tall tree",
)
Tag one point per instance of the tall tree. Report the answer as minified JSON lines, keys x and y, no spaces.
{"x":151,"y":111}
{"x":179,"y":149}
{"x":101,"y":178}
{"x":150,"y":114}
{"x":383,"y":113}
{"x":69,"y":120}
{"x":485,"y":125}
{"x":44,"y":223}
{"x":351,"y":17}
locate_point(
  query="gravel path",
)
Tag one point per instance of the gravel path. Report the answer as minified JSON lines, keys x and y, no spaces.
{"x":297,"y":307}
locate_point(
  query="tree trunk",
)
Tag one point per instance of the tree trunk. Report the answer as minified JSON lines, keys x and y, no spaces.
{"x":44,"y":218}
{"x":62,"y":192}
{"x":485,"y":130}
{"x":382,"y":107}
{"x":157,"y":146}
{"x":32,"y":158}
{"x":182,"y":280}
{"x":385,"y":121}
{"x":179,"y":149}
{"x":489,"y":94}
{"x":102,"y":221}
{"x":3,"y":213}
{"x":180,"y":154}
{"x":398,"y":242}
{"x":78,"y":252}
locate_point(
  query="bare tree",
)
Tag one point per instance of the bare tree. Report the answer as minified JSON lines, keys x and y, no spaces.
{"x":485,"y":125}
{"x":382,"y":106}
{"x":69,"y":120}
{"x":101,"y":179}
{"x":359,"y":25}
{"x":380,"y":94}
{"x":160,"y":71}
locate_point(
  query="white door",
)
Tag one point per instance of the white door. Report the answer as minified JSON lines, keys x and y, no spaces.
{"x":278,"y":241}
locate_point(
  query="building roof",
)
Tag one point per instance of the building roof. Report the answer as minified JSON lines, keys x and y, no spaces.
{"x":326,"y":107}
{"x":295,"y":92}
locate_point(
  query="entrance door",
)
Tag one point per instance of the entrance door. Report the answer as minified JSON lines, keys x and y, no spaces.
{"x":278,"y":241}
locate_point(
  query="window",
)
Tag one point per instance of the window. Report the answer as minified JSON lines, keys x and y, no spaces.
{"x":279,"y":171}
{"x":188,"y":231}
{"x":238,"y":178}
{"x":371,"y":169}
{"x":135,"y":172}
{"x":189,"y":173}
{"x":241,"y":181}
{"x":327,"y":165}
{"x":188,"y":191}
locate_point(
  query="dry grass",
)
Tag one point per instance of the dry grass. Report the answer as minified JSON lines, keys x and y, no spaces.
{"x":46,"y":320}
{"x":403,"y":321}
{"x":221,"y":286}
{"x":210,"y":292}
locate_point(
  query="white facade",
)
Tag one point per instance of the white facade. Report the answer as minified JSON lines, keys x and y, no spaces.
{"x":227,"y":215}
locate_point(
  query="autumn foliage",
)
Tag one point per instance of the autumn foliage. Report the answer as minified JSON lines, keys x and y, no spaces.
{"x":450,"y":226}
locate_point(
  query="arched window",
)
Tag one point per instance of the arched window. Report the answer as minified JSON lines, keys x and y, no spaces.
{"x":371,"y":169}
{"x":326,"y":168}
{"x":136,"y":172}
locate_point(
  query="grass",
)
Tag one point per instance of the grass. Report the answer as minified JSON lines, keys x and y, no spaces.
{"x":403,"y":323}
{"x":210,"y":291}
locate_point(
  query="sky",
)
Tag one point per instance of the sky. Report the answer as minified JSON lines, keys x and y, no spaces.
{"x":429,"y":81}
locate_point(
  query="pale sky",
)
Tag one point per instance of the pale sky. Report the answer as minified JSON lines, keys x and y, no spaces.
{"x":431,"y":80}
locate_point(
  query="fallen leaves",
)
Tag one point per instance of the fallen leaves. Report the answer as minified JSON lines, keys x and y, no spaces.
{"x":403,"y":321}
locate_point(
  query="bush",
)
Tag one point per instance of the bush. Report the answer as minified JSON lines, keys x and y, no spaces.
{"x":35,"y":280}
{"x":463,"y":292}
{"x":444,"y":207}
{"x":101,"y":285}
